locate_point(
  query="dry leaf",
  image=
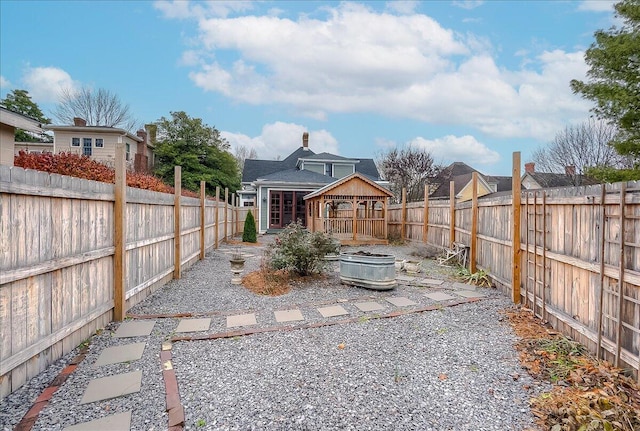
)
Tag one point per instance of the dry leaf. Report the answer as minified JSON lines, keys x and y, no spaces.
{"x":341,"y":346}
{"x":443,"y":376}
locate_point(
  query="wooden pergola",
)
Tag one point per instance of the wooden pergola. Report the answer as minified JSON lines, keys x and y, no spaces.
{"x":352,"y":209}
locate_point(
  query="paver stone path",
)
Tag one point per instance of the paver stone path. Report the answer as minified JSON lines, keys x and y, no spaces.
{"x":112,"y":386}
{"x":118,"y":422}
{"x":124,"y":353}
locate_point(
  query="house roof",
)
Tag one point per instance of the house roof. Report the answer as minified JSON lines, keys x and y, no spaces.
{"x":21,"y":121}
{"x":326,"y":156}
{"x":368,"y":168}
{"x":548,"y":179}
{"x":255,"y":169}
{"x":296,"y":176}
{"x":503,"y":184}
{"x":93,"y":129}
{"x":346,"y":179}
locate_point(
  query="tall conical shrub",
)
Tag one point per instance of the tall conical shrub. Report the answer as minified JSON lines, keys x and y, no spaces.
{"x":249,"y":232}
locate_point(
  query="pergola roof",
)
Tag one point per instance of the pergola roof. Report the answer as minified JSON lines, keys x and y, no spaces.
{"x":336,"y":188}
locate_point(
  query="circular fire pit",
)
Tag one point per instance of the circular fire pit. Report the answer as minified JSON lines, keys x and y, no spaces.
{"x":369,"y":270}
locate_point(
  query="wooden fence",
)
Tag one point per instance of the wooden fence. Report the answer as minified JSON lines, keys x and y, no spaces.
{"x":577,"y":247}
{"x":71,"y":250}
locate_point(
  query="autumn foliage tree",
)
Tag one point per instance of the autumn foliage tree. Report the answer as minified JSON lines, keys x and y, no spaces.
{"x":80,"y":166}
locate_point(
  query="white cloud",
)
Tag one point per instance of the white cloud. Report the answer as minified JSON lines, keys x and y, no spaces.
{"x":455,"y":148}
{"x":281,"y":139}
{"x":467,"y":4}
{"x":4,"y":83}
{"x":45,"y":83}
{"x":597,"y":5}
{"x":176,"y":9}
{"x":416,"y":69}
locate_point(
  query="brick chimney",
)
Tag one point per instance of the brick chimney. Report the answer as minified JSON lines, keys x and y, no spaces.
{"x":530,"y":167}
{"x":570,"y":171}
{"x":80,"y":122}
{"x":305,"y":141}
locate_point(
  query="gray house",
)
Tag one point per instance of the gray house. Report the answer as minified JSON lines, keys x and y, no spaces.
{"x":277,"y":187}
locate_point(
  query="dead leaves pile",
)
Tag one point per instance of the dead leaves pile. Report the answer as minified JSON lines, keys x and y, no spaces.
{"x":587,"y":394}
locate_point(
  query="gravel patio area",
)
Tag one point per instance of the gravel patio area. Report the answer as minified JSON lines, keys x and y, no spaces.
{"x":453,"y":368}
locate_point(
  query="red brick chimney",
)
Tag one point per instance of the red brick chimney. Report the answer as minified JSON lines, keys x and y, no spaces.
{"x":530,"y":167}
{"x":570,"y":171}
{"x":305,"y":141}
{"x":80,"y":122}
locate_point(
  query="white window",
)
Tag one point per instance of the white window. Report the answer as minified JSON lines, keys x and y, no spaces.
{"x":86,"y":146}
{"x":75,"y":142}
{"x":99,"y":143}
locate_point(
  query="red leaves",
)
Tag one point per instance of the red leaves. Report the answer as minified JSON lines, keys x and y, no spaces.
{"x":79,"y":166}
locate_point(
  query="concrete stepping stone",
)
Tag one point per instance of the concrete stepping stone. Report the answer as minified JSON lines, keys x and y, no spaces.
{"x":463,"y":286}
{"x":470,"y":294}
{"x":193,"y":325}
{"x":431,"y":281}
{"x":111,"y":387}
{"x":135,"y":328}
{"x":113,"y":355}
{"x":401,"y":301}
{"x":369,"y":306}
{"x":333,"y":311}
{"x":241,"y":320}
{"x":405,"y":278}
{"x":439,"y":296}
{"x":119,"y":422}
{"x":288,"y":315}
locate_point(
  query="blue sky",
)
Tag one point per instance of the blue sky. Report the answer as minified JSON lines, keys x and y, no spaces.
{"x":468,"y":81}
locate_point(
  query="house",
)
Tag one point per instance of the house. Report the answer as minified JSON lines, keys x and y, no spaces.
{"x":99,"y":143}
{"x":461,"y":174}
{"x":9,"y":122}
{"x":541,"y":180}
{"x":278,"y":187}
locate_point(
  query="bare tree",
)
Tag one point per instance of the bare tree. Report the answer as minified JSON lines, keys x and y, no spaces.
{"x":98,"y":107}
{"x":580,"y":147}
{"x":243,"y":153}
{"x":409,"y":168}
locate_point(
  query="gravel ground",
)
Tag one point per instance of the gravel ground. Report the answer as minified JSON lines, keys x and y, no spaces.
{"x":449,"y":369}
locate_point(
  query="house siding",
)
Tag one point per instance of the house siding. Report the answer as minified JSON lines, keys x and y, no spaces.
{"x":7,"y":137}
{"x":106,"y":154}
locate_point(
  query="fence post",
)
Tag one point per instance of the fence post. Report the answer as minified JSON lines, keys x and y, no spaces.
{"x":120,"y":236}
{"x":226,"y":213}
{"x":354,"y":221}
{"x":623,"y":232}
{"x":515,"y":229}
{"x":216,"y":215}
{"x":425,"y":216}
{"x":452,"y":213}
{"x":473,"y":252}
{"x":403,"y":216}
{"x":603,"y":220}
{"x":177,"y":266}
{"x":202,"y":219}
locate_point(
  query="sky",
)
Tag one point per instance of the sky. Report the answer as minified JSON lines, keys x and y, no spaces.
{"x":470,"y":81}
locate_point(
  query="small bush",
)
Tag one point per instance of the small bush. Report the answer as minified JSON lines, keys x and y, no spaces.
{"x":302,"y":252}
{"x":249,"y":231}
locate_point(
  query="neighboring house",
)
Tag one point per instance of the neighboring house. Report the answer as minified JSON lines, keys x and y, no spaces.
{"x":461,"y":175}
{"x":541,"y":180}
{"x":277,"y":187}
{"x":9,"y":122}
{"x":99,"y":143}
